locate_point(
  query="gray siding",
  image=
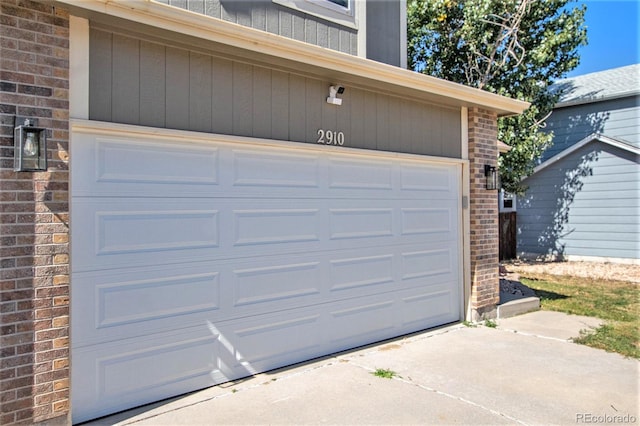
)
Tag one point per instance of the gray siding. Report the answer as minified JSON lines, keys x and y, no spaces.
{"x":141,"y":82}
{"x":619,"y":119}
{"x":383,"y":31}
{"x":586,"y":204}
{"x":276,"y":19}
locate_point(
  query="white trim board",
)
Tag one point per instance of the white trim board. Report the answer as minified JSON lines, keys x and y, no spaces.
{"x":594,"y":137}
{"x":78,"y":67}
{"x":190,"y":137}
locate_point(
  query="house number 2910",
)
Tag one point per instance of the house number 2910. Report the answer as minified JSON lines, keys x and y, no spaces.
{"x":329,"y":137}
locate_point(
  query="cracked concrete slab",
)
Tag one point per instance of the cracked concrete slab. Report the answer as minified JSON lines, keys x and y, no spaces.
{"x":454,"y":375}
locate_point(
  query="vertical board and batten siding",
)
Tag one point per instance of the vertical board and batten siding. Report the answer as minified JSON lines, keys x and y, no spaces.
{"x":383,"y":39}
{"x":584,"y":205}
{"x":134,"y":81}
{"x":618,"y":119}
{"x":270,"y":17}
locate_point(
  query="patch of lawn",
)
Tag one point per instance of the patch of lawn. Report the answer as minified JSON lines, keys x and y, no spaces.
{"x":617,"y":302}
{"x":490,"y":323}
{"x":384,"y":373}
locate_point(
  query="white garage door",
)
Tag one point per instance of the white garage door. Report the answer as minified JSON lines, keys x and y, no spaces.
{"x":197,"y":261}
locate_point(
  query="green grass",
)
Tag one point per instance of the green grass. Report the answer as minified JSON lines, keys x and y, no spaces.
{"x":490,"y":323}
{"x":384,"y":373}
{"x":616,"y":302}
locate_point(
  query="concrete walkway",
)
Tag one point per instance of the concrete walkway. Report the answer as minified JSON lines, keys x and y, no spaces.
{"x":525,"y":371}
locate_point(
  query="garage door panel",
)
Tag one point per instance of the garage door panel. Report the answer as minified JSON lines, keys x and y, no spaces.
{"x":171,"y":167}
{"x":263,"y":168}
{"x":265,"y":342}
{"x":441,"y":307}
{"x":362,"y":271}
{"x":275,"y":226}
{"x":433,"y":179}
{"x":427,"y":220}
{"x":126,"y":233}
{"x":125,"y":166}
{"x":360,"y":174}
{"x":150,"y":299}
{"x":361,"y":322}
{"x":117,"y":232}
{"x":123,"y":232}
{"x":423,"y":264}
{"x":276,"y":283}
{"x":112,"y":377}
{"x":246,"y":256}
{"x":355,"y":223}
{"x":134,"y":302}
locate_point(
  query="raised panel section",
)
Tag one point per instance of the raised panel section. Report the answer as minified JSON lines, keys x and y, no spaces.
{"x":426,"y":221}
{"x":357,"y":322}
{"x":146,"y":300}
{"x":115,"y":376}
{"x":419,"y":178}
{"x":276,"y":283}
{"x":275,"y":226}
{"x":130,"y":162}
{"x":361,"y":223}
{"x":155,"y":366}
{"x":422,"y":264}
{"x":360,"y":175}
{"x":428,"y":307}
{"x":260,"y":168}
{"x":137,"y":231}
{"x":264,"y":342}
{"x":361,"y":272}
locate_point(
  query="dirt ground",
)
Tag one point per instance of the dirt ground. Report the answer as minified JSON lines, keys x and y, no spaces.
{"x":609,"y":271}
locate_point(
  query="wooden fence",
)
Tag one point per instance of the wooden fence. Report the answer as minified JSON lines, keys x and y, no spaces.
{"x":508,"y":231}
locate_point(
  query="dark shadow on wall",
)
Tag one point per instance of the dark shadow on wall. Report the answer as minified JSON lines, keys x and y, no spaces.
{"x":573,"y":127}
{"x":574,"y":170}
{"x":552,"y":191}
{"x":553,"y":200}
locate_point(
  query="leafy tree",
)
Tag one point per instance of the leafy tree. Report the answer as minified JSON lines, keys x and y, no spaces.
{"x":515,"y":48}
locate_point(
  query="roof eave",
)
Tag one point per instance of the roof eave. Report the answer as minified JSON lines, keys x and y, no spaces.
{"x":327,"y":62}
{"x":592,"y":137}
{"x":575,"y":102}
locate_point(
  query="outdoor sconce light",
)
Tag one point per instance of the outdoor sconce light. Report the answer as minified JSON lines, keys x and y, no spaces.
{"x":29,"y":148}
{"x":491,"y":177}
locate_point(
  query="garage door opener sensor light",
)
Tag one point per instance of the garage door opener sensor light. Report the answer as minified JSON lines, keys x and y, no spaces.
{"x":334,"y":91}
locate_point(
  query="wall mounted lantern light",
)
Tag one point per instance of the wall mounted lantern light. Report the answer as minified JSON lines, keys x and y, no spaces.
{"x":491,"y":177}
{"x":30,"y":148}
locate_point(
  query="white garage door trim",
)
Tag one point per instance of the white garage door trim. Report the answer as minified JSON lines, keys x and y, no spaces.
{"x":342,"y":237}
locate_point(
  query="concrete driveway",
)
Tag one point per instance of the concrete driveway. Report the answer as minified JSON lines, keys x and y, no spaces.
{"x":525,"y":371}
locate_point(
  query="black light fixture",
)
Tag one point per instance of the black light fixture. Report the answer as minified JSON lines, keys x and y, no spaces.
{"x":491,"y":177}
{"x":30,"y":148}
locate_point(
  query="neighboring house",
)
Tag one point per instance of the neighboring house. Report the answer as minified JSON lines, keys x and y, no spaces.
{"x":231,"y":188}
{"x":583,"y":200}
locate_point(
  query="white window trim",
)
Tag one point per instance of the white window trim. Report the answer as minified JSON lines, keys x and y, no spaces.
{"x":325,"y":9}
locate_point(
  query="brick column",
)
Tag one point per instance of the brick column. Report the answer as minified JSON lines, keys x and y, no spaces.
{"x":485,"y":279}
{"x":34,"y":206}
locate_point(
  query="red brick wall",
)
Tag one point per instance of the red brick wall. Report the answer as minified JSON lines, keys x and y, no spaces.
{"x":34,"y":279}
{"x":484,"y":240}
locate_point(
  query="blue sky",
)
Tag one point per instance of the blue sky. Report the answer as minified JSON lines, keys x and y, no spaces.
{"x":612,"y":31}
